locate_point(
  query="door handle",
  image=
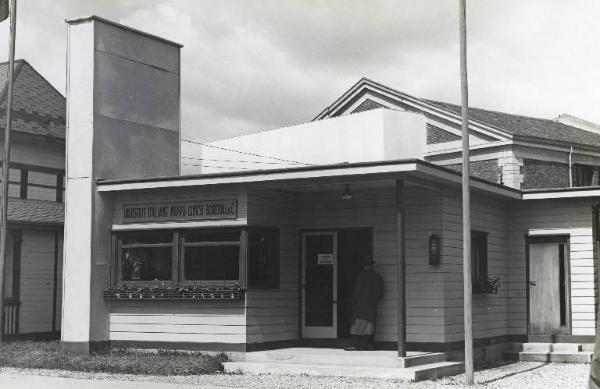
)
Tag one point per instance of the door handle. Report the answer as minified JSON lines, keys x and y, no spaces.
{"x":532,"y":283}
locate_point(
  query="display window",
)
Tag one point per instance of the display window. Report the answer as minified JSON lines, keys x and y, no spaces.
{"x":246,"y":257}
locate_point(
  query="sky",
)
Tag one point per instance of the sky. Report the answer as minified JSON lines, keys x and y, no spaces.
{"x":249,"y":65}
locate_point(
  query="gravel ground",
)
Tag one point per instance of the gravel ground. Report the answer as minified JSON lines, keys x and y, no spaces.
{"x":526,"y":375}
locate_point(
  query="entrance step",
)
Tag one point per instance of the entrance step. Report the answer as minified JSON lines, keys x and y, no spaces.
{"x":417,"y":373}
{"x":551,"y":352}
{"x":335,"y":362}
{"x":350,"y":358}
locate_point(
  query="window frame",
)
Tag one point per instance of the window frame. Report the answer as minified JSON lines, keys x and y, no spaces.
{"x":183,"y":244}
{"x":119,"y":256}
{"x":179,"y":244}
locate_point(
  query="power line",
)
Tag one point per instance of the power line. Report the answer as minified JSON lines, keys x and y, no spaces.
{"x":246,"y":153}
{"x":218,"y":167}
{"x":235,"y":161}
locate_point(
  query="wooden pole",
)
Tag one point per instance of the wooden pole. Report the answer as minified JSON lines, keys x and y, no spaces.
{"x":400,"y":269}
{"x":6,"y":155}
{"x":466,"y":199}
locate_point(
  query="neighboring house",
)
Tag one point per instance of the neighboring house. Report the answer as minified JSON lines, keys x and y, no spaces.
{"x":33,"y":270}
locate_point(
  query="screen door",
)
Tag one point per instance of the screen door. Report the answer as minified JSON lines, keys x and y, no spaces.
{"x":319,"y":285}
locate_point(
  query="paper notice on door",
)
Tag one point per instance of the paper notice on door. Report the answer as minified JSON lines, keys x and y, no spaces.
{"x":325,"y":259}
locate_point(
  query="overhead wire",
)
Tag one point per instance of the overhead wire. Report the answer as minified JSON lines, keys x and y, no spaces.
{"x":236,"y":161}
{"x":247,"y":153}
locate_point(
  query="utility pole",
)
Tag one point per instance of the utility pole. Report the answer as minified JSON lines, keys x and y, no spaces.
{"x":466,"y":199}
{"x":6,"y":154}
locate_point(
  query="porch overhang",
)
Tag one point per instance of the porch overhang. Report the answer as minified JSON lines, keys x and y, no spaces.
{"x":412,"y":169}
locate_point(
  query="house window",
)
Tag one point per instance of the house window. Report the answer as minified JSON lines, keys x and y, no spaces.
{"x":263,"y":258}
{"x":211,"y":256}
{"x":146,"y":257}
{"x":585,"y":175}
{"x":222,"y":255}
{"x":479,"y":260}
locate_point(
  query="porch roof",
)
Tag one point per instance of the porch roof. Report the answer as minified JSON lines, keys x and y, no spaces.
{"x":396,"y":169}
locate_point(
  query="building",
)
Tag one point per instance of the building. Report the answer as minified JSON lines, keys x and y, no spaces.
{"x":259,"y":258}
{"x":32,"y":284}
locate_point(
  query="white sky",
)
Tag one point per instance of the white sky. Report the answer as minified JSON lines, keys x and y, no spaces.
{"x":250,"y":64}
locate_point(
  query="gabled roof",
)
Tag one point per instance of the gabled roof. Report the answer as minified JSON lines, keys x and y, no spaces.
{"x":512,"y":125}
{"x":528,"y":126}
{"x":38,"y":108}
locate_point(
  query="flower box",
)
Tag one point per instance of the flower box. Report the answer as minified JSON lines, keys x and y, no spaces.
{"x":174,"y":292}
{"x":486,"y":286}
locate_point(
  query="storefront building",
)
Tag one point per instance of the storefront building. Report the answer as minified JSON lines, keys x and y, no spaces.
{"x":259,"y":259}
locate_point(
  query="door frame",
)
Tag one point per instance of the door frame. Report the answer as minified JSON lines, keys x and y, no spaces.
{"x":317,"y":230}
{"x":559,"y":238}
{"x":326,"y":331}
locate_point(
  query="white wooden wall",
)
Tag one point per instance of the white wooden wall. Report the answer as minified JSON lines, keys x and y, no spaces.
{"x":490,"y":312}
{"x":434,"y":293}
{"x":571,"y":217}
{"x":272,"y":314}
{"x":37,"y":281}
{"x":178,"y":321}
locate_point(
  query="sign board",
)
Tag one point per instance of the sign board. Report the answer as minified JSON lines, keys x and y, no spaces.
{"x":180,"y":211}
{"x":325,"y":259}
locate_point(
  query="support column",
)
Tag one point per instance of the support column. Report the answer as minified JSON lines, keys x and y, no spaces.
{"x":401,"y":269}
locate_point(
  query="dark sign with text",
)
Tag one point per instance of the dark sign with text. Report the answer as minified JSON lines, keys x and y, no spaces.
{"x":181,"y":211}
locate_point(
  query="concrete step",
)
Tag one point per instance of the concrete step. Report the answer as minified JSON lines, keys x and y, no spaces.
{"x":418,"y":373}
{"x":566,"y":357}
{"x":551,"y":347}
{"x":587,"y":347}
{"x":386,"y":359}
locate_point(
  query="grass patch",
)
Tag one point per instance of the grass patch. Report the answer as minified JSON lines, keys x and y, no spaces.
{"x":48,"y":355}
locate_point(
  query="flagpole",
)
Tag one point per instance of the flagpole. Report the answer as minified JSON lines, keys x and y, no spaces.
{"x":6,"y":154}
{"x":466,"y":199}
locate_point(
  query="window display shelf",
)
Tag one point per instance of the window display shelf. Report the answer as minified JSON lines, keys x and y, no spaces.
{"x":185,"y":292}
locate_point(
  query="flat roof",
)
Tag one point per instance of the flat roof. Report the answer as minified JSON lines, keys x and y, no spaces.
{"x":124,"y":27}
{"x":404,"y":168}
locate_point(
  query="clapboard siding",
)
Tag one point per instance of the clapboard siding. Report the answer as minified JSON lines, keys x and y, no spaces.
{"x":37,"y":281}
{"x":272,"y":314}
{"x":198,"y":321}
{"x":490,"y":312}
{"x":572,"y":217}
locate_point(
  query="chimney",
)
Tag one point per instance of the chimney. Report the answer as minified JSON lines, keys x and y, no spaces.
{"x":574,"y":121}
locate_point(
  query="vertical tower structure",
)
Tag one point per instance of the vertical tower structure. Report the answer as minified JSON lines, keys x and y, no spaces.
{"x":123,"y":121}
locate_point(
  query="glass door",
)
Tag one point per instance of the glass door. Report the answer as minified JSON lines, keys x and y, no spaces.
{"x":319,"y":285}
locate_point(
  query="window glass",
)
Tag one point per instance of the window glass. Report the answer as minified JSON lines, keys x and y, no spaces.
{"x":40,"y":178}
{"x":146,"y":264}
{"x":213,"y":236}
{"x":479,"y":257}
{"x":14,"y":190}
{"x":14,"y":174}
{"x":39,"y":193}
{"x":150,"y":238}
{"x":218,"y":263}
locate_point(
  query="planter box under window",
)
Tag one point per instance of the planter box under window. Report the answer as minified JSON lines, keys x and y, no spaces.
{"x":151,"y":292}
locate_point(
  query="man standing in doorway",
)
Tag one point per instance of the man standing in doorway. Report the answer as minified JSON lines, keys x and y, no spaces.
{"x":368,"y":290}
